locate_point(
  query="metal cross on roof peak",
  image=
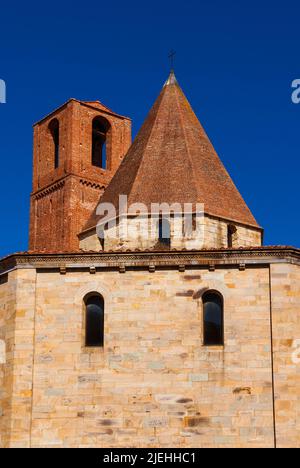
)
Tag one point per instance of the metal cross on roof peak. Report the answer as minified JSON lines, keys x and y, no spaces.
{"x":171,"y":57}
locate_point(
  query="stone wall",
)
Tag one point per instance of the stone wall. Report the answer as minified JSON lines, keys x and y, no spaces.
{"x":17,"y":312}
{"x":142,"y":233}
{"x":7,"y":326}
{"x":286,"y":336}
{"x":216,"y":234}
{"x":154,"y":384}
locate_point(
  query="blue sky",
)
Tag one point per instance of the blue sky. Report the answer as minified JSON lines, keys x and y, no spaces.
{"x":235,"y":62}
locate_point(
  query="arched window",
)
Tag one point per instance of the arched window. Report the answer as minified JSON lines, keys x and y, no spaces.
{"x":231,"y":231}
{"x":94,"y":320}
{"x":164,"y":231}
{"x":213,"y":318}
{"x":99,"y":135}
{"x":54,"y":130}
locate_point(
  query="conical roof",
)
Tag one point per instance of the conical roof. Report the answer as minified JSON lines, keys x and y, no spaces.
{"x":173,"y":161}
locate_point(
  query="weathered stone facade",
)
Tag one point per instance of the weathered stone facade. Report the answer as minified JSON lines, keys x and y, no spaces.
{"x":142,"y":233}
{"x":154,"y":383}
{"x":285,"y":293}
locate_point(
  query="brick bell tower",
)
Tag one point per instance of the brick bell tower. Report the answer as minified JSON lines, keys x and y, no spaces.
{"x":77,"y":150}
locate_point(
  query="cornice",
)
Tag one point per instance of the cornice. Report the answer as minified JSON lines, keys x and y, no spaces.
{"x":247,"y":257}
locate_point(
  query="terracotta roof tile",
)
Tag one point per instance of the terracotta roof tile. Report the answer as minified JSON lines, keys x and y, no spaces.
{"x":172,"y":160}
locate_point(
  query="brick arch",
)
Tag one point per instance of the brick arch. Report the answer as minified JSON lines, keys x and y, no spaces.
{"x":103,"y":120}
{"x":105,"y":128}
{"x":81,"y":184}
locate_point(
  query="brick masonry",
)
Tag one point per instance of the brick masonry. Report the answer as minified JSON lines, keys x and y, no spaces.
{"x":154,"y":383}
{"x":63,"y":199}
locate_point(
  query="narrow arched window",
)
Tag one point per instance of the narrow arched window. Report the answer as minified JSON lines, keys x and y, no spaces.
{"x":164,"y":231}
{"x":99,"y":137}
{"x":213,"y":318}
{"x":54,"y":130}
{"x":94,"y":320}
{"x":231,"y":231}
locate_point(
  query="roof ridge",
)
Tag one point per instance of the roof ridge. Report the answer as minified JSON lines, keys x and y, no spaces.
{"x":172,"y":160}
{"x":186,"y":142}
{"x":149,"y":137}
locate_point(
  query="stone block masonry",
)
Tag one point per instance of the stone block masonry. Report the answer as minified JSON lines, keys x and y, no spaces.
{"x":153,"y":384}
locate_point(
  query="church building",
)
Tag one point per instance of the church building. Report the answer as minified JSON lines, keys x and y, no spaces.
{"x":166,"y":323}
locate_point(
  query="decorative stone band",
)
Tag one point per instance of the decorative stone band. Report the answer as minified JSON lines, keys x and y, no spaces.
{"x":239,"y":258}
